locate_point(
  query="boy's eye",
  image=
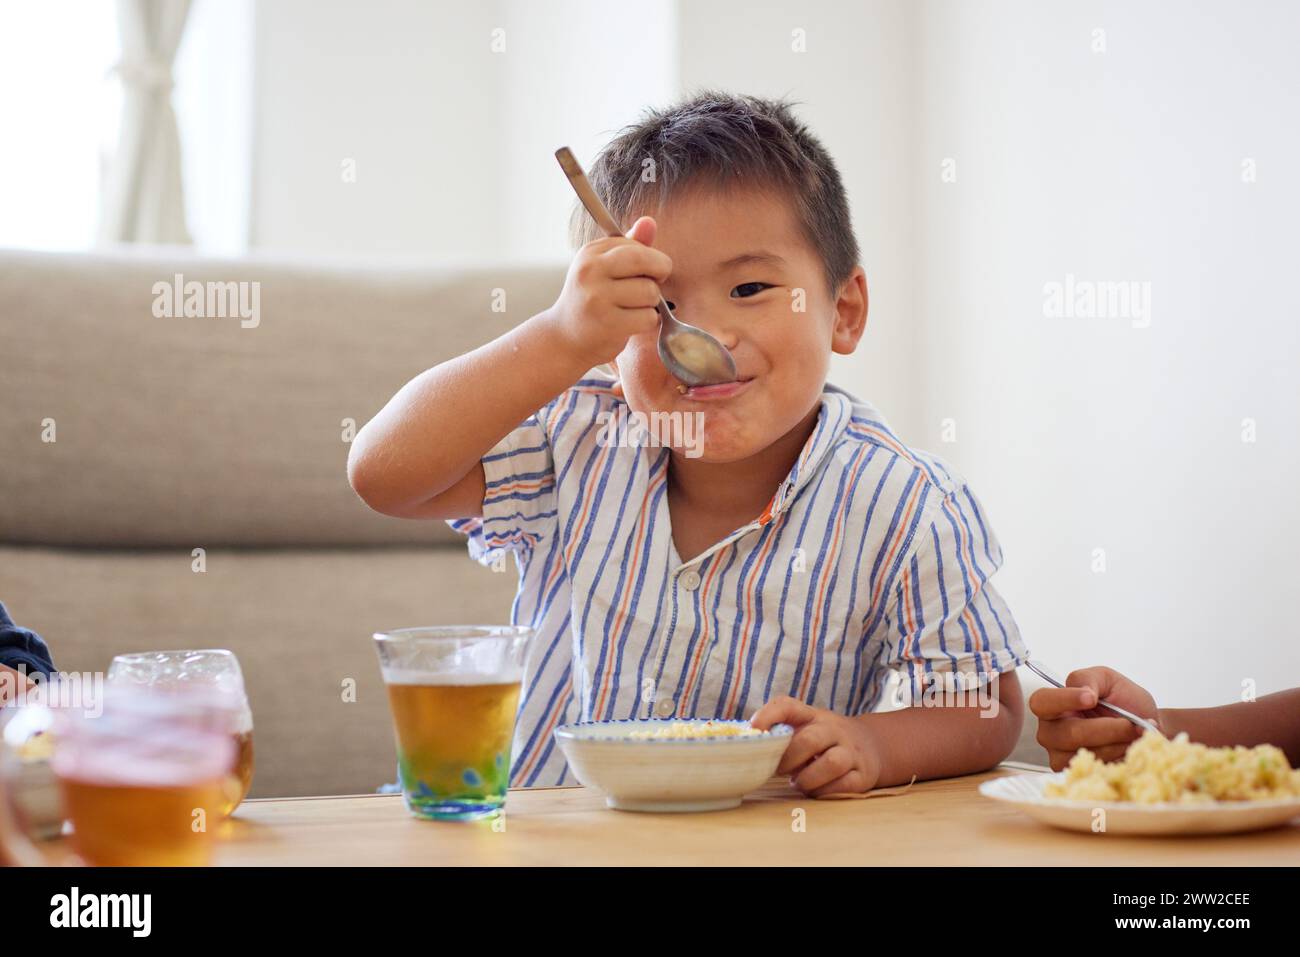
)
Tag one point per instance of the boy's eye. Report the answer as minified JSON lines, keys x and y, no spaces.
{"x":747,"y":289}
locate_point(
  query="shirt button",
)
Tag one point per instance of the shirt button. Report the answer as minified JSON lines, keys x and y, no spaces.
{"x":665,"y":707}
{"x":691,"y":580}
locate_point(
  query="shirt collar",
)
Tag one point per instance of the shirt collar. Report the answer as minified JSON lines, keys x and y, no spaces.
{"x":833,"y":418}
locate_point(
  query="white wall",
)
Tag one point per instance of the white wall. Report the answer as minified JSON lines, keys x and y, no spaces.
{"x":404,"y":90}
{"x":452,"y":113}
{"x":1091,"y":433}
{"x":574,"y":72}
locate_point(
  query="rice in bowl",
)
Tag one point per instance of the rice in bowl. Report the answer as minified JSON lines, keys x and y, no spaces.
{"x":696,"y":729}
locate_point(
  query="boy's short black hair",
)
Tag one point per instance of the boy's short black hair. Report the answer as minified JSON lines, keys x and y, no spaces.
{"x":724,"y":140}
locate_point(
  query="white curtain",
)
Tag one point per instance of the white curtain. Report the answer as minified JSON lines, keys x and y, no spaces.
{"x":143,"y":201}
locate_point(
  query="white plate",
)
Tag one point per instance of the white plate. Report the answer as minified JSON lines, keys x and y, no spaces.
{"x":1025,"y":791}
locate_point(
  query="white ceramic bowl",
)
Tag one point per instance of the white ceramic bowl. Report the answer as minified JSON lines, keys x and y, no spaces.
{"x":670,"y":774}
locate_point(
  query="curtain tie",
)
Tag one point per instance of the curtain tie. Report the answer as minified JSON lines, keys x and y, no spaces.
{"x":150,"y":74}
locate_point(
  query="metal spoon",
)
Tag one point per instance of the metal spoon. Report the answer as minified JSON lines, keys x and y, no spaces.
{"x":1051,"y":679}
{"x":692,"y":355}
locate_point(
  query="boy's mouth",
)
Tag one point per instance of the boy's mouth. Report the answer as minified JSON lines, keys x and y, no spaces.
{"x":724,"y":390}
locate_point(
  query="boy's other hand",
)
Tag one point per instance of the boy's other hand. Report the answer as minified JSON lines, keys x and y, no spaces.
{"x":610,"y":293}
{"x":829,"y":753}
{"x":1069,"y":718}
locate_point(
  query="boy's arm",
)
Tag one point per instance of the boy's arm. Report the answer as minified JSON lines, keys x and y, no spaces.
{"x":420,"y":457}
{"x":943,"y":742}
{"x":832,"y":753}
{"x":944,"y":592}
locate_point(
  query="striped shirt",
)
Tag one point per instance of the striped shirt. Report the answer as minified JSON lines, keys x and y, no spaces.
{"x":871,"y":560}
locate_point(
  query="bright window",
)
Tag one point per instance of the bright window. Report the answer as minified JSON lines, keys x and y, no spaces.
{"x":58,"y":108}
{"x":61,"y":108}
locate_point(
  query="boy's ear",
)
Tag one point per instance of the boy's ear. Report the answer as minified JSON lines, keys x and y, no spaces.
{"x":850,"y":313}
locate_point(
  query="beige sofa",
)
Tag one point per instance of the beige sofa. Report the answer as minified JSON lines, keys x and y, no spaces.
{"x":176,"y":434}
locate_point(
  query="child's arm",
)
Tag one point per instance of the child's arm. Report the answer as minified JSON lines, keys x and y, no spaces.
{"x":20,"y":648}
{"x":1068,"y":718}
{"x":420,"y":457}
{"x":831,"y":753}
{"x":1272,"y":719}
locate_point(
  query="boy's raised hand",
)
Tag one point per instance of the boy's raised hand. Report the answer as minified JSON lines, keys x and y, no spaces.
{"x":610,"y":293}
{"x":1069,"y":719}
{"x":829,"y":753}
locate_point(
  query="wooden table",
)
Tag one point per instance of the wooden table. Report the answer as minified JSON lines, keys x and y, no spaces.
{"x":935,"y":823}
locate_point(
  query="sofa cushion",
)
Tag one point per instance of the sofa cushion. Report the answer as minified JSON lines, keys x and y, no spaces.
{"x":299,"y":620}
{"x":212,"y":431}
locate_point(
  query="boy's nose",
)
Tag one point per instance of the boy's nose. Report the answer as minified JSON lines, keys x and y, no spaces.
{"x":722,"y":331}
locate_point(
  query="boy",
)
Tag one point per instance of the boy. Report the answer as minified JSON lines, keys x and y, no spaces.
{"x":783,"y":566}
{"x":1069,"y":719}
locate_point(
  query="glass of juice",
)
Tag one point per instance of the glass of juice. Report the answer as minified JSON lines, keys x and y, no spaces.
{"x":213,"y":668}
{"x":143,"y":777}
{"x":453,"y":692}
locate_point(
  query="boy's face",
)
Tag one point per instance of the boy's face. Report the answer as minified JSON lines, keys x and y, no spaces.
{"x":744,"y":273}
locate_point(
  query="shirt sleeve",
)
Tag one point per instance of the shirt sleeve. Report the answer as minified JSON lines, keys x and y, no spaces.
{"x":519,"y":510}
{"x":21,"y":648}
{"x":947,"y":627}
